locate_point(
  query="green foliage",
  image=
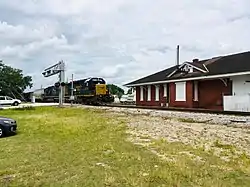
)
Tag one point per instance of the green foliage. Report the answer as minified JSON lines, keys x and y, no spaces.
{"x":130,"y":91}
{"x":115,"y":90}
{"x":12,"y":81}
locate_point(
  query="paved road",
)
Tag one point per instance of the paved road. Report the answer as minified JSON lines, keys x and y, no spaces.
{"x":30,"y":104}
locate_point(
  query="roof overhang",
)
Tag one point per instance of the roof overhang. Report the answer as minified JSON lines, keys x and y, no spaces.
{"x":192,"y":78}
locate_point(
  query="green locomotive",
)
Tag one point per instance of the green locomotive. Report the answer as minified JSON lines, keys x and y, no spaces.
{"x":85,"y":91}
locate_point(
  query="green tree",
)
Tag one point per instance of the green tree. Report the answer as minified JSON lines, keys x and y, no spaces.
{"x":115,"y":90}
{"x":130,"y":91}
{"x":13,"y":82}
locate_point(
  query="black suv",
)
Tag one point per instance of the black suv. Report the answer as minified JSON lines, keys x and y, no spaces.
{"x":8,"y":126}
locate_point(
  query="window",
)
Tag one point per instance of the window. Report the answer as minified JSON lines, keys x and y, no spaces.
{"x":157,"y":93}
{"x":141,"y":93}
{"x":149,"y":93}
{"x":2,"y":98}
{"x":165,"y":90}
{"x":195,"y":91}
{"x":180,"y":91}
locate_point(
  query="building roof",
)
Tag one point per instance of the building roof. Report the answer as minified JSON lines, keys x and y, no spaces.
{"x":216,"y":66}
{"x":156,"y":76}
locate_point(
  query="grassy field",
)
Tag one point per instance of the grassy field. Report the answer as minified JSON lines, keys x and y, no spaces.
{"x":80,"y":147}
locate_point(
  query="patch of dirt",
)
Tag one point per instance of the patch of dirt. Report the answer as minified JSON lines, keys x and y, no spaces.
{"x":217,"y":134}
{"x":234,"y":138}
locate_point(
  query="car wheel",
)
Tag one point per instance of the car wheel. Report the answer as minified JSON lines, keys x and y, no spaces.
{"x":1,"y":132}
{"x":15,"y":103}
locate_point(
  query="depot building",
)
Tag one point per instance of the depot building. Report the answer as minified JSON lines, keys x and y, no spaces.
{"x":220,"y":83}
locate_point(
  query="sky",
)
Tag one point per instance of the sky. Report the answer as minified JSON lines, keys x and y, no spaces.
{"x":119,"y":40}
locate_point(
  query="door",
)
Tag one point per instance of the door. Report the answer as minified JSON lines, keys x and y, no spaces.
{"x":2,"y":100}
{"x":8,"y":100}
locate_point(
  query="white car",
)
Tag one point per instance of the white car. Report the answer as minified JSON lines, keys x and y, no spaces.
{"x":131,"y":99}
{"x":128,"y":99}
{"x":123,"y":99}
{"x":6,"y":100}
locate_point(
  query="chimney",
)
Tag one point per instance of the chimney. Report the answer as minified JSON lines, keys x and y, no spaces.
{"x":196,"y":60}
{"x":178,"y":55}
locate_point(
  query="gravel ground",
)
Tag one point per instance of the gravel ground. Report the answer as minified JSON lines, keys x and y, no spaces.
{"x":197,"y":117}
{"x":195,"y":129}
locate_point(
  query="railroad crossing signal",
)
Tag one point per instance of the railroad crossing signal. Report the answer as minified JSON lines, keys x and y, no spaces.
{"x":55,"y":69}
{"x":58,"y":68}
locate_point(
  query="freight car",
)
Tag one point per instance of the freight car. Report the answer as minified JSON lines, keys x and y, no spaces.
{"x":91,"y":91}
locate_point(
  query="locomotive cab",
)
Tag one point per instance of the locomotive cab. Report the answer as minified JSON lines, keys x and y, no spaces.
{"x":97,"y":86}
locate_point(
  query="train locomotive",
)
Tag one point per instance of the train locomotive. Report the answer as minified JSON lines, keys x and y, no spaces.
{"x":92,"y":91}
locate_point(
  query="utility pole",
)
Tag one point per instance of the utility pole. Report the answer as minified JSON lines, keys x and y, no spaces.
{"x":72,"y":90}
{"x":178,"y":55}
{"x":61,"y":80}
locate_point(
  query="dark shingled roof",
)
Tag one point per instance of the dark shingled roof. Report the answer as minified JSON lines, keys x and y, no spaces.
{"x":234,"y":63}
{"x":159,"y":76}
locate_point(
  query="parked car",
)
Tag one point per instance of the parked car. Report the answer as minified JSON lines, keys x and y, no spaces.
{"x":128,"y":99}
{"x":6,"y":100}
{"x":123,"y":99}
{"x":131,"y":99}
{"x":8,"y":126}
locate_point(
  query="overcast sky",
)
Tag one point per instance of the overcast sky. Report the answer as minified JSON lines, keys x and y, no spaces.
{"x":119,"y":40}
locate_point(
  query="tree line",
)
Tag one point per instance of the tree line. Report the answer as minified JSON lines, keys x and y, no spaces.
{"x":13,"y":82}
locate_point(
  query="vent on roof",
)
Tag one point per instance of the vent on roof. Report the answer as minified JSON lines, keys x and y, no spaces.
{"x":196,"y":60}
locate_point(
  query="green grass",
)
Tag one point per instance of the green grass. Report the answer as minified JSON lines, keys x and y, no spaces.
{"x":80,"y":147}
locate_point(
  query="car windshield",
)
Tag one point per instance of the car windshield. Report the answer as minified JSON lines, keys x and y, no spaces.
{"x":9,"y":98}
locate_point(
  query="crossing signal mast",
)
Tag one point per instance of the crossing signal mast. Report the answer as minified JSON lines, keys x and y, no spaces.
{"x":58,"y":68}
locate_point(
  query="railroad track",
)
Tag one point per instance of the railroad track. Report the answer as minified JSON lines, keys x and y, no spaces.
{"x":194,"y":110}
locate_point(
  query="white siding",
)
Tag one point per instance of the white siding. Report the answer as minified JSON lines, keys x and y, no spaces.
{"x":157,"y":93}
{"x":165,"y":90}
{"x":149,"y":93}
{"x":240,"y":86}
{"x":141,"y":93}
{"x":195,"y":91}
{"x":236,"y":103}
{"x":180,"y":91}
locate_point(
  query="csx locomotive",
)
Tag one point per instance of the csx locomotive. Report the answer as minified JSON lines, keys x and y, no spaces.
{"x":91,"y":91}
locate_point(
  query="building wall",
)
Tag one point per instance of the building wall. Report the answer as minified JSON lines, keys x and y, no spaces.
{"x":188,"y":102}
{"x":236,"y":103}
{"x":211,"y":93}
{"x":152,"y":102}
{"x":240,"y":85}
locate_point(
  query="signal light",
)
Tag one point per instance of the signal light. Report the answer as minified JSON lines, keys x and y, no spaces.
{"x":57,"y":84}
{"x":63,"y":84}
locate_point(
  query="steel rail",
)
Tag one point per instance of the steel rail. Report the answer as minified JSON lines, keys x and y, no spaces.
{"x":194,"y":110}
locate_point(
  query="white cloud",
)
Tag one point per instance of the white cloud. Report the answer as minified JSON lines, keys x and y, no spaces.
{"x":119,"y":40}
